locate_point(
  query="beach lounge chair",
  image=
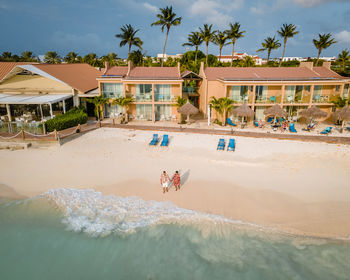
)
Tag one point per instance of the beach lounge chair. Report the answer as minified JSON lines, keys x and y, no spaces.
{"x":270,"y":119}
{"x":221,"y":145}
{"x":154,"y":141}
{"x":292,"y":128}
{"x":327,"y":130}
{"x":165,"y":140}
{"x":347,"y":128}
{"x":231,"y":145}
{"x":256,"y":124}
{"x":229,"y":122}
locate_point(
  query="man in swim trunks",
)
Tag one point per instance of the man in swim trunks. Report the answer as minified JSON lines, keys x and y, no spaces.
{"x":164,"y":181}
{"x":176,"y":180}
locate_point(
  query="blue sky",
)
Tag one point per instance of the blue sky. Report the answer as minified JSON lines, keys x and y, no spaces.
{"x":90,"y":25}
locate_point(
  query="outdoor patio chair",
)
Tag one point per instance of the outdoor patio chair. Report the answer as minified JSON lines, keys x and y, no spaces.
{"x":327,"y":130}
{"x":154,"y":141}
{"x":229,"y":122}
{"x":165,"y":140}
{"x":256,"y":124}
{"x":292,"y":128}
{"x":221,"y":145}
{"x":347,"y":128}
{"x":273,"y":98}
{"x":270,"y":119}
{"x":231,"y":145}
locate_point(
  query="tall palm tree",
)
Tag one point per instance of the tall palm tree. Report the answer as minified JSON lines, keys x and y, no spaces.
{"x":6,"y":56}
{"x":248,"y":61}
{"x":71,"y":57}
{"x":233,"y":34}
{"x":344,"y":57}
{"x":92,"y":59}
{"x":194,"y":40}
{"x":99,"y":102}
{"x":286,"y":31}
{"x":324,"y":41}
{"x":207,"y":35}
{"x":215,"y":104}
{"x":124,"y":102}
{"x":226,"y":105}
{"x":166,"y":19}
{"x":112,"y":59}
{"x":28,"y":56}
{"x":269,"y":44}
{"x":52,"y":58}
{"x":128,"y":37}
{"x":220,"y":39}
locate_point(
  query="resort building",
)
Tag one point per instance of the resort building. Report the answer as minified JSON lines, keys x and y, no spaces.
{"x":154,"y":90}
{"x":238,"y":56}
{"x":35,"y":92}
{"x":294,"y":88}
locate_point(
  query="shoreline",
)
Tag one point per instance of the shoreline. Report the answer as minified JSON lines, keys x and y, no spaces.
{"x":295,"y":187}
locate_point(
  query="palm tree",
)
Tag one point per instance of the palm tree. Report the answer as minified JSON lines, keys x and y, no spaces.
{"x":112,"y":59}
{"x":233,"y":34}
{"x":124,"y":102}
{"x":194,"y":40}
{"x":248,"y":61}
{"x":220,"y":40}
{"x":167,"y":18}
{"x":92,"y":59}
{"x":52,"y":58}
{"x":286,"y":31}
{"x":324,"y":41}
{"x":215,"y":104}
{"x":28,"y":56}
{"x":226,"y":105}
{"x":99,"y":102}
{"x":269,"y":44}
{"x":180,"y":101}
{"x":207,"y":35}
{"x":6,"y":56}
{"x":340,"y":102}
{"x":71,"y":57}
{"x":128,"y":37}
{"x":343,"y":57}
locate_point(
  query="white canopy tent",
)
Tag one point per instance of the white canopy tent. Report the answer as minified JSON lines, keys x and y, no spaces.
{"x":25,"y":99}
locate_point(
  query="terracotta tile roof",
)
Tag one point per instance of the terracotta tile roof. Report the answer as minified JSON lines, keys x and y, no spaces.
{"x":154,"y":73}
{"x":269,"y":73}
{"x":80,"y":76}
{"x":117,"y":71}
{"x":6,"y":67}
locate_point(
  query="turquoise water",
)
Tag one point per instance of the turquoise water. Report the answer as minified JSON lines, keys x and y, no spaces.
{"x":81,"y":234}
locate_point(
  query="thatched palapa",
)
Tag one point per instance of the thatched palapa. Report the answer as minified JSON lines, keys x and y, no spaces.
{"x":243,"y":111}
{"x":343,"y":114}
{"x":275,"y":111}
{"x":313,"y":113}
{"x":188,"y":109}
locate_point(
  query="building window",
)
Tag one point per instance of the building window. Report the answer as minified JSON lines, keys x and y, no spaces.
{"x":295,"y":93}
{"x":143,"y":92}
{"x":162,"y":112}
{"x":239,"y":93}
{"x":346,"y":91}
{"x":113,"y":111}
{"x":337,"y":88}
{"x":261,"y":93}
{"x":112,"y":90}
{"x":144,"y":112}
{"x":162,"y":92}
{"x":317,"y":94}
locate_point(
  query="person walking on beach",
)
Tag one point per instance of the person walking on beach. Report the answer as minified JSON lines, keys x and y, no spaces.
{"x":176,"y":180}
{"x":164,"y":181}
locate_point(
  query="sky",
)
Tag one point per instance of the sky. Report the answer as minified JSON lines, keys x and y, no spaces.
{"x":86,"y":26}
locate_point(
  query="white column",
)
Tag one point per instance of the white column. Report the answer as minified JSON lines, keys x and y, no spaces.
{"x":41,"y":112}
{"x":51,"y":113}
{"x":64,"y":106}
{"x":8,"y":111}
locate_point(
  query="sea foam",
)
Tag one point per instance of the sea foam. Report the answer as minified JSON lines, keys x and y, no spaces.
{"x":100,"y":215}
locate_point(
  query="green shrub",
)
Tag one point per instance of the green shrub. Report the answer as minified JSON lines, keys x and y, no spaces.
{"x":72,"y":118}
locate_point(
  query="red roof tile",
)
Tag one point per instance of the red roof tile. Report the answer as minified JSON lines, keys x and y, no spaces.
{"x":269,"y":73}
{"x":155,"y":73}
{"x":117,"y":71}
{"x":80,"y":76}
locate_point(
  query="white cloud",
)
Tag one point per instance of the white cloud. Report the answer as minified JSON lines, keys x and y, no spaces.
{"x":311,"y":3}
{"x":343,"y":36}
{"x":150,"y":7}
{"x":215,"y":12}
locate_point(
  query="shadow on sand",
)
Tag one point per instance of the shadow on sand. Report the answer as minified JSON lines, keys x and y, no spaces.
{"x":184,"y":177}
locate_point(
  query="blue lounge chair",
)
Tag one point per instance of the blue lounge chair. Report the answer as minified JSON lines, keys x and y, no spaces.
{"x":165,"y":140}
{"x":270,"y":119}
{"x":327,"y":130}
{"x":221,"y":145}
{"x":273,"y":98}
{"x":347,"y":128}
{"x":229,"y":122}
{"x":154,"y":140}
{"x":256,"y":124}
{"x":292,"y":128}
{"x":231,"y":145}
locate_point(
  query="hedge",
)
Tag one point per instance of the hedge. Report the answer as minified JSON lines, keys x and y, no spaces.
{"x":72,"y":118}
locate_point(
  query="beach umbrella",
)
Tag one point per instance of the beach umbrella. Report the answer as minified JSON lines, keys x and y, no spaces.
{"x":275,"y":111}
{"x":188,"y":109}
{"x":243,"y":111}
{"x":313,"y":113}
{"x":342,"y":114}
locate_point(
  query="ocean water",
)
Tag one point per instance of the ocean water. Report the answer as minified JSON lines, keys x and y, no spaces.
{"x":81,"y":234}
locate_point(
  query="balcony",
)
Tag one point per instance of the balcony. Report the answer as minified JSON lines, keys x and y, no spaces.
{"x":189,"y":89}
{"x":296,"y":99}
{"x":158,"y":97}
{"x":143,"y":97}
{"x":111,"y":94}
{"x":268,"y":99}
{"x":320,"y":99}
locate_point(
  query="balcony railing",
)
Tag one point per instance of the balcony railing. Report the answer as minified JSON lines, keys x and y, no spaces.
{"x":189,"y":89}
{"x":112,"y":94}
{"x":146,"y":97}
{"x":320,"y":99}
{"x":162,"y":97}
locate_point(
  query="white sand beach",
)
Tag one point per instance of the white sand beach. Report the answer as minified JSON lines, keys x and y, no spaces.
{"x":297,"y":187}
